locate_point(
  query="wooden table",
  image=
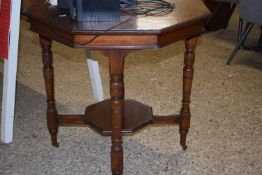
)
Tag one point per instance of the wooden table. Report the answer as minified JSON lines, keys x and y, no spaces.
{"x":117,"y":116}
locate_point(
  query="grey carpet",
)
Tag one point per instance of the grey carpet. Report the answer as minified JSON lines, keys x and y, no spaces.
{"x":225,"y":135}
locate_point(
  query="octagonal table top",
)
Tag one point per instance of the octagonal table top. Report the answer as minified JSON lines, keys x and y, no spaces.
{"x":135,"y":32}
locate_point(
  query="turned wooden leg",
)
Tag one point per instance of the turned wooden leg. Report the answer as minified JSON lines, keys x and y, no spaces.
{"x":187,"y":84}
{"x":116,"y":68}
{"x":51,"y":114}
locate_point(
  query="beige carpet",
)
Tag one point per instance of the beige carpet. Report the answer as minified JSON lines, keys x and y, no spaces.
{"x":225,"y":135}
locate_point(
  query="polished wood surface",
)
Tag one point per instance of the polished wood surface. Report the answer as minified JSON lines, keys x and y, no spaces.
{"x":116,"y":71}
{"x":135,"y":116}
{"x":129,"y":33}
{"x":117,"y":116}
{"x":48,"y":71}
{"x":186,"y":12}
{"x":187,"y":84}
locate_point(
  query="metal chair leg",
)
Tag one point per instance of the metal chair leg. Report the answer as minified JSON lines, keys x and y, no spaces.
{"x":240,"y":29}
{"x":260,"y":40}
{"x":242,"y":40}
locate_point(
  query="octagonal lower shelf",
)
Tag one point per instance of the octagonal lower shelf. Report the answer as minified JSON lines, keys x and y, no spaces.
{"x":136,"y":116}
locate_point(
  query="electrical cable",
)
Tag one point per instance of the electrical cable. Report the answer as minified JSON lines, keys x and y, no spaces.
{"x":104,"y":32}
{"x":146,"y":7}
{"x":138,"y":8}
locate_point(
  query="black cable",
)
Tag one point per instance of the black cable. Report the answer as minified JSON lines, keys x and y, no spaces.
{"x":146,"y":7}
{"x":138,"y":8}
{"x":105,"y":31}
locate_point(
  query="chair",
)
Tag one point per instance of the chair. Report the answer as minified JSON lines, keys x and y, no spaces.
{"x":250,"y":11}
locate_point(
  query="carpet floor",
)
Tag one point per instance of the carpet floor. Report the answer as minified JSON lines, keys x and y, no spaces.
{"x":226,"y":127}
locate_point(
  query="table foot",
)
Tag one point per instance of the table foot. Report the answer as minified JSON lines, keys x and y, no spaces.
{"x":117,"y":162}
{"x":184,"y":147}
{"x":54,"y":140}
{"x":188,"y":72}
{"x":183,"y":134}
{"x":117,"y":172}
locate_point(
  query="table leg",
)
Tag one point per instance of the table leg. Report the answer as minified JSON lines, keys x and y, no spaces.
{"x":51,"y":114}
{"x":116,"y":68}
{"x":190,"y":45}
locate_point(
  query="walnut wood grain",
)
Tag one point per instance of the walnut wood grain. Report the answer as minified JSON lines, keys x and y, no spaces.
{"x":117,"y":116}
{"x":71,"y":120}
{"x":187,"y":85}
{"x":186,"y":12}
{"x":51,"y":114}
{"x":116,"y":71}
{"x":186,"y":21}
{"x":169,"y":119}
{"x":135,"y":116}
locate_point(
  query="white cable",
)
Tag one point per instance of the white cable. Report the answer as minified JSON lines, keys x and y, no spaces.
{"x":52,"y":2}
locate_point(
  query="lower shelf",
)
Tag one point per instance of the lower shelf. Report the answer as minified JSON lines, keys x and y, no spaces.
{"x":136,"y":116}
{"x":98,"y":116}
